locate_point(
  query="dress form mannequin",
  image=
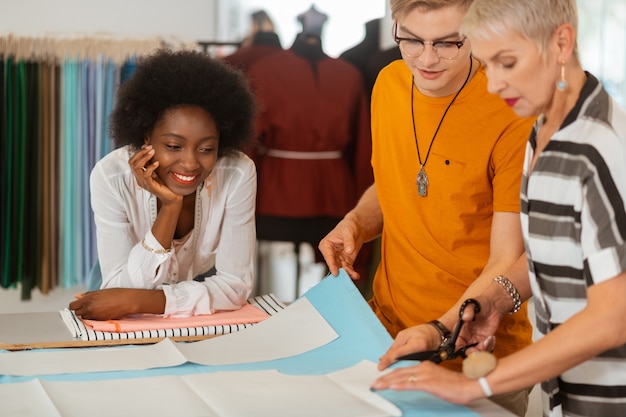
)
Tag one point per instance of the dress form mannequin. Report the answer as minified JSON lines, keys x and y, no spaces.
{"x":313,"y":143}
{"x":312,"y":22}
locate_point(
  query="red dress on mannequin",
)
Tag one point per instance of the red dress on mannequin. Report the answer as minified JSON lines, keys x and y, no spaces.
{"x":314,"y":143}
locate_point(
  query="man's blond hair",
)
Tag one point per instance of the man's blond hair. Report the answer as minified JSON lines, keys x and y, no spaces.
{"x":402,"y":7}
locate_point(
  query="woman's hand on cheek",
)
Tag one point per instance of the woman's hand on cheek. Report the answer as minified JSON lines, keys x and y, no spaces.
{"x":144,"y":170}
{"x":140,"y":164}
{"x":156,"y":186}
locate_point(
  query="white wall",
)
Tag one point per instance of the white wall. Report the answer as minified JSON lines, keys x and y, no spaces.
{"x":344,"y":28}
{"x":602,"y":43}
{"x":187,"y":20}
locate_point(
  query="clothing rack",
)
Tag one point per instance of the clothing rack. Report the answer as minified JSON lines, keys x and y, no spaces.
{"x":206,"y":45}
{"x":57,"y":94}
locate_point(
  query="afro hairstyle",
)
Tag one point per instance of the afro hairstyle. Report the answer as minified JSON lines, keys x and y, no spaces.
{"x":169,"y":79}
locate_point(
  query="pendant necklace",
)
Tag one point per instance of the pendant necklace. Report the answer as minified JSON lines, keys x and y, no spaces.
{"x":422,"y":178}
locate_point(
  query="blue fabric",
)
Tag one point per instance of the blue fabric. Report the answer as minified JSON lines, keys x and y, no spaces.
{"x":361,"y":336}
{"x":69,"y":218}
{"x":94,"y":279}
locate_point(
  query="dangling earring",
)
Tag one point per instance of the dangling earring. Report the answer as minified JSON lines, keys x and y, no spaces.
{"x":561,"y":85}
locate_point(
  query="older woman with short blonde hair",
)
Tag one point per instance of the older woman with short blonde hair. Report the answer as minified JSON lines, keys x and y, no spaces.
{"x":573,"y":196}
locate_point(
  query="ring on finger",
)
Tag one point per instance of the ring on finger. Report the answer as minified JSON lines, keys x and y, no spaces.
{"x":143,"y":169}
{"x":411,"y":378}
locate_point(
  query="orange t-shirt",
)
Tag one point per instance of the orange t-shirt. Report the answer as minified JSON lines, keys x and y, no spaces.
{"x":433,"y":247}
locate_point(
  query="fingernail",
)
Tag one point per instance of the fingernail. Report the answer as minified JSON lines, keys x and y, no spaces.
{"x":489,"y":342}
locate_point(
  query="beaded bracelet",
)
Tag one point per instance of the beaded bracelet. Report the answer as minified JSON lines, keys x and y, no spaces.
{"x":157,"y":251}
{"x":512,"y":291}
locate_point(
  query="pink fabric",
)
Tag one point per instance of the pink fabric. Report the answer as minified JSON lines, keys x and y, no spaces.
{"x":246,"y":314}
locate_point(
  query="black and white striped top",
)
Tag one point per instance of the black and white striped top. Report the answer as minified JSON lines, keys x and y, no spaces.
{"x":574,"y":226}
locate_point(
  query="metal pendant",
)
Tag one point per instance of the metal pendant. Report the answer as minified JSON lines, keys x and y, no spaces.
{"x":422,"y":182}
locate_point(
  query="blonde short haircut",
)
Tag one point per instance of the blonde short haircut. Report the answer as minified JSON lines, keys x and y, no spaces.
{"x":402,"y":7}
{"x":535,"y":20}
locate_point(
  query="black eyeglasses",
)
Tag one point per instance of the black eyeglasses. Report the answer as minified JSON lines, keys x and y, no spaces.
{"x":413,"y":48}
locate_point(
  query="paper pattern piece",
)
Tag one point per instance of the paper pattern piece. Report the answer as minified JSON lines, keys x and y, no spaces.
{"x":297,"y":329}
{"x":344,"y":393}
{"x":56,"y":362}
{"x":281,"y":336}
{"x":257,"y":309}
{"x":335,"y":299}
{"x":167,"y":396}
{"x":26,"y":399}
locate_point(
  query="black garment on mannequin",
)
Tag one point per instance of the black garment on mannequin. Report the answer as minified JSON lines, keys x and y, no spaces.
{"x":361,"y":54}
{"x":266,"y":38}
{"x":379,"y":61}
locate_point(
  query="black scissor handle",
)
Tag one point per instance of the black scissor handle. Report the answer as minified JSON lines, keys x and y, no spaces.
{"x":449,"y":345}
{"x":455,"y":334}
{"x":446,"y":350}
{"x":466,"y":303}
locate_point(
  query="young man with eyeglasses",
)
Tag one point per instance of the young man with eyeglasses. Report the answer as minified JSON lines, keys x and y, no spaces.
{"x":447,"y":159}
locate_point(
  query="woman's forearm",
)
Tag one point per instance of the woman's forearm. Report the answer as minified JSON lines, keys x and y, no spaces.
{"x":165,"y":224}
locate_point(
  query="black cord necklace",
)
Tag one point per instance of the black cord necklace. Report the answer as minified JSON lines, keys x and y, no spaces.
{"x":422,"y":178}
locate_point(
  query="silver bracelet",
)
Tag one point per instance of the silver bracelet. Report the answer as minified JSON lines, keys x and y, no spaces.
{"x":512,"y":291}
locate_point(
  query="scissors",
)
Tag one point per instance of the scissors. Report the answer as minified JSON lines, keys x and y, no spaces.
{"x":446,"y":349}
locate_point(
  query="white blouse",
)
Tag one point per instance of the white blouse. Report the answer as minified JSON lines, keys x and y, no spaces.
{"x":223,"y":236}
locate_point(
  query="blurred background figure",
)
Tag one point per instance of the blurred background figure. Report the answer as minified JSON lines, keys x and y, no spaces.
{"x":260,"y":43}
{"x":261,"y":23}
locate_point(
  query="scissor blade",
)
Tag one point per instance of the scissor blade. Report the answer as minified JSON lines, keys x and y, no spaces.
{"x":418,"y":356}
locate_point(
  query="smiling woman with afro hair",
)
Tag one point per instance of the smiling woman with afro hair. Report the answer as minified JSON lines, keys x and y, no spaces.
{"x":174,"y":203}
{"x":168,"y":79}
